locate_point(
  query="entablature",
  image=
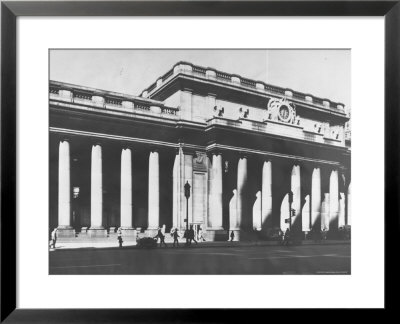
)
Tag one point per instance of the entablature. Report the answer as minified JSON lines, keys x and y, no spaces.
{"x":187,"y":147}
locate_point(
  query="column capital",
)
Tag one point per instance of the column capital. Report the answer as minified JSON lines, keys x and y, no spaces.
{"x":95,"y":142}
{"x":65,"y":138}
{"x":267,"y":158}
{"x":296,"y":163}
{"x":212,"y":152}
{"x":235,"y":155}
{"x":154,"y":149}
{"x":127,"y":145}
{"x":187,"y":90}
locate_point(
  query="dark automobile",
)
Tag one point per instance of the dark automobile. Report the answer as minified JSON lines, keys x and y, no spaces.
{"x":147,"y":242}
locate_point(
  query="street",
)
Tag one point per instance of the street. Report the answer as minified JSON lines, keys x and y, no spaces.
{"x":301,"y":259}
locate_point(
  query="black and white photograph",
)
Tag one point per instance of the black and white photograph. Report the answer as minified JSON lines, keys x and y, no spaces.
{"x":199,"y":162}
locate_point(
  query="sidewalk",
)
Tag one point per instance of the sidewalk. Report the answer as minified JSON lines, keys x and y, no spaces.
{"x":132,"y":244}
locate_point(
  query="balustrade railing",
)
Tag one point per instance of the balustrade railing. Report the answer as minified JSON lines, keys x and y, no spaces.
{"x":226,"y":77}
{"x":113,"y":102}
{"x":168,"y":110}
{"x":142,"y":106}
{"x":248,"y":83}
{"x":298,"y":95}
{"x":274,"y":89}
{"x":317,"y":101}
{"x":223,"y":76}
{"x":54,"y":91}
{"x":82,"y":96}
{"x":199,"y":70}
{"x":101,"y":100}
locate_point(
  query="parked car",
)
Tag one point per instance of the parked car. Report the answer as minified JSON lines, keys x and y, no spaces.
{"x":147,"y":242}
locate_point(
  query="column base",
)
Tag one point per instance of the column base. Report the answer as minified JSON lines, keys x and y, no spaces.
{"x":216,"y":234}
{"x":65,"y":231}
{"x":128,"y":234}
{"x":97,"y":232}
{"x":151,"y":232}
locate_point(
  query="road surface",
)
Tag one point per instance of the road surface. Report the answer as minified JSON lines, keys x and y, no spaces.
{"x":302,"y":259}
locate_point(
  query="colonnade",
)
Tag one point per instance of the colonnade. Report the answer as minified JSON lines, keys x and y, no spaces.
{"x":330,"y":211}
{"x":96,"y":190}
{"x":318,"y":205}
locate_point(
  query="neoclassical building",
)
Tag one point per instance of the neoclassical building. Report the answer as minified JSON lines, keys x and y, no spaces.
{"x":253,"y":154}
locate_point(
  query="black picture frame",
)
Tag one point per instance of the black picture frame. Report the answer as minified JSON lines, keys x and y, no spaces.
{"x":10,"y":10}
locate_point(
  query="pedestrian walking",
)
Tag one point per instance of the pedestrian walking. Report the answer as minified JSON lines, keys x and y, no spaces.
{"x":287,"y":237}
{"x":232,"y":236}
{"x":119,"y":237}
{"x":161,"y":236}
{"x":191,"y":235}
{"x":175,"y":235}
{"x":201,"y":237}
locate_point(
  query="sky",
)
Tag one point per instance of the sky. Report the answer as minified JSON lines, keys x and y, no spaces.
{"x":322,"y":73}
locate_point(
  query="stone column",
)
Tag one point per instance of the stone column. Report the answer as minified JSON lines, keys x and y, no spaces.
{"x":176,"y":193}
{"x":295,"y":185}
{"x":348,"y":221}
{"x":315,"y":196}
{"x":126,"y":192}
{"x":342,"y":210}
{"x":233,"y":217}
{"x":64,"y":191}
{"x":333,"y":200}
{"x":215,"y":216}
{"x":325,"y":212}
{"x":96,"y":194}
{"x":241,"y":187}
{"x":266,"y":194}
{"x":154,"y":192}
{"x":305,"y":215}
{"x":257,"y":210}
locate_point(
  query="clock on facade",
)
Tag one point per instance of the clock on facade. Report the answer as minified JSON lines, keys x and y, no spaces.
{"x":284,"y":113}
{"x":282,"y":110}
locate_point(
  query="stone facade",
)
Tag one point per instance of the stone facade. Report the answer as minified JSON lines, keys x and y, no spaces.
{"x":244,"y":146}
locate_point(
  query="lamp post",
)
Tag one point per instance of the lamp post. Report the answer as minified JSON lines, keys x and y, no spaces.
{"x":187,"y":195}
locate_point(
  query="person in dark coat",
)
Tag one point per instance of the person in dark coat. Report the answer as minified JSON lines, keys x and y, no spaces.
{"x":119,"y":237}
{"x":191,"y":235}
{"x":232,"y":236}
{"x":175,"y":235}
{"x":287,"y":237}
{"x":162,"y":237}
